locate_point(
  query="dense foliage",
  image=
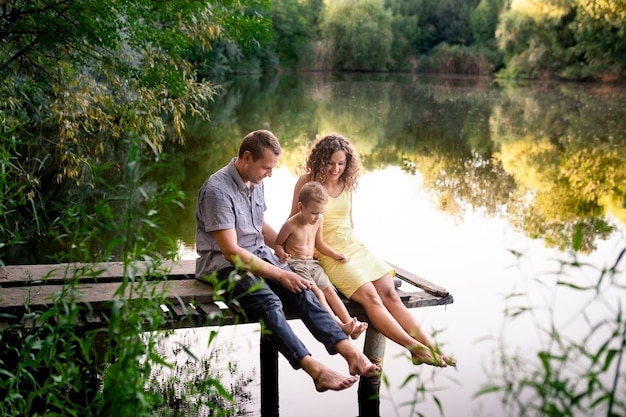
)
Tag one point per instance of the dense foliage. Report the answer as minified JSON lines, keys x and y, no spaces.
{"x":85,"y":84}
{"x":573,"y":40}
{"x":82,"y":80}
{"x":576,"y":39}
{"x":92,"y":91}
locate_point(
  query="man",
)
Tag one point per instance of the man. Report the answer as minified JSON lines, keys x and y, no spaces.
{"x":230,"y":226}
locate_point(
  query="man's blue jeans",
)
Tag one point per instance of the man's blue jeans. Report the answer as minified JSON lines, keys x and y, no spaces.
{"x":263,"y":301}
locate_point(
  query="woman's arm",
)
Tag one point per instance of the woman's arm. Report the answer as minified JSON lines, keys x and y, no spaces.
{"x":324,"y":248}
{"x":296,"y":193}
{"x":351,"y":221}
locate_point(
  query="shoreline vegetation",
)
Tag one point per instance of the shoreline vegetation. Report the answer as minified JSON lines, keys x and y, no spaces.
{"x":93,"y":93}
{"x":86,"y":79}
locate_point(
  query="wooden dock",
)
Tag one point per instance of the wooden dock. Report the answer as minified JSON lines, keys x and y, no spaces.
{"x":186,"y":303}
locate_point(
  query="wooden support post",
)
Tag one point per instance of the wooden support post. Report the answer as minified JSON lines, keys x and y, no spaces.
{"x":269,"y":378}
{"x":369,"y":387}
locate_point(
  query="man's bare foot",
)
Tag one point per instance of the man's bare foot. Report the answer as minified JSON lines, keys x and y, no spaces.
{"x":359,"y":327}
{"x":361,"y":365}
{"x":358,"y":363}
{"x":327,"y":379}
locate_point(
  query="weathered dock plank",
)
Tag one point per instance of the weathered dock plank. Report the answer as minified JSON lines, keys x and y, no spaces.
{"x":20,"y":275}
{"x":419,"y":282}
{"x":101,"y":295}
{"x":101,"y":283}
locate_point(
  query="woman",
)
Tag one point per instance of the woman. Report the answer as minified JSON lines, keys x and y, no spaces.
{"x":365,"y":279}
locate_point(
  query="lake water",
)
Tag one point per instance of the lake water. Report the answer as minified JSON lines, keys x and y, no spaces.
{"x":472,"y":258}
{"x":481,"y":188}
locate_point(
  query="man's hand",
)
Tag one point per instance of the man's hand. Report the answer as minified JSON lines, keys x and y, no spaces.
{"x":294,"y":282}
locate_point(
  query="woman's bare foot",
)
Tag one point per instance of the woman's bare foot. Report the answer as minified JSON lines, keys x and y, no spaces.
{"x":327,"y":379}
{"x":422,"y":354}
{"x":449,"y":360}
{"x":359,"y":327}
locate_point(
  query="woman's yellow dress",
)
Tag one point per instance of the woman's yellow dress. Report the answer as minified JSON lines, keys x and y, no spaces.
{"x":363,"y":266}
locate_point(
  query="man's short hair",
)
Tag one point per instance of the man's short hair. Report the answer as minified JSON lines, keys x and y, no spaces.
{"x":257,"y":141}
{"x":313,"y":191}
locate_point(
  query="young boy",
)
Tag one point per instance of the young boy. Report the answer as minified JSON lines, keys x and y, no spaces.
{"x":295,"y":245}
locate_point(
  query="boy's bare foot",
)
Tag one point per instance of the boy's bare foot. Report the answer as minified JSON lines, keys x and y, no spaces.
{"x":328,"y":379}
{"x":359,"y":327}
{"x":348,"y":327}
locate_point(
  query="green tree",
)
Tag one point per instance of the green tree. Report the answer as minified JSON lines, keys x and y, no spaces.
{"x":86,"y":82}
{"x":242,"y":46}
{"x":411,"y":36}
{"x":601,"y":36}
{"x":359,"y":32}
{"x":450,"y":21}
{"x":567,"y":39}
{"x":295,"y":24}
{"x":444,"y":37}
{"x":536,"y":39}
{"x":484,"y":20}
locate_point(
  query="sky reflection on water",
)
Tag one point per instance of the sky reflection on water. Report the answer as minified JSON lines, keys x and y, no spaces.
{"x":473,"y":259}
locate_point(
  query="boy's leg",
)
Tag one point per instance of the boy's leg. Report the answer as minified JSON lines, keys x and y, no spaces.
{"x":321,"y":298}
{"x":351,"y":326}
{"x":333,"y":299}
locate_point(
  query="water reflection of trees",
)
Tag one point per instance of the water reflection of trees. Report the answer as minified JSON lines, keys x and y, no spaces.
{"x":567,"y":157}
{"x":550,"y":160}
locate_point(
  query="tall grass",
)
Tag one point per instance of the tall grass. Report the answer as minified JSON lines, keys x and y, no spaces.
{"x":424,"y":384}
{"x":52,"y":366}
{"x":577,"y":366}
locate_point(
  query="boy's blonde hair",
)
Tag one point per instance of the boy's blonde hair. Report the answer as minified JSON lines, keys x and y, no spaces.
{"x":313,"y":191}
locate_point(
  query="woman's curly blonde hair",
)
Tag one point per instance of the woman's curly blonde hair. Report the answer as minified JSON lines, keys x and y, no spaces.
{"x":317,"y":161}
